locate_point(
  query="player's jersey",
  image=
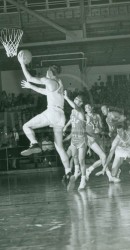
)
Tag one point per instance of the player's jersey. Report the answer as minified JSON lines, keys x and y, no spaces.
{"x":56,"y":98}
{"x":112,"y":120}
{"x":78,"y":136}
{"x":93,"y":124}
{"x":124,"y":143}
{"x":78,"y":123}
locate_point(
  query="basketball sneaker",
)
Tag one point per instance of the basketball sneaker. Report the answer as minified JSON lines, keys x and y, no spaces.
{"x":116,"y":180}
{"x":33,"y":149}
{"x":82,"y":184}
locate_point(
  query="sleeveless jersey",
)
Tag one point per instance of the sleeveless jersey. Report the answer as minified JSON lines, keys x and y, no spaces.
{"x":111,"y":121}
{"x":124,"y":143}
{"x":78,"y":124}
{"x":92,"y":124}
{"x":56,"y":98}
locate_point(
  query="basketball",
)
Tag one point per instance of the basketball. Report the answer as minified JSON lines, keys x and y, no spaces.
{"x":25,"y":55}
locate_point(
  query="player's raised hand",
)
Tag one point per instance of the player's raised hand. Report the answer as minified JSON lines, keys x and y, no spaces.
{"x":21,"y":57}
{"x":25,"y":84}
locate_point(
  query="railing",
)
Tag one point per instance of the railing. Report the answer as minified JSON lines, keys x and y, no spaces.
{"x":6,"y":7}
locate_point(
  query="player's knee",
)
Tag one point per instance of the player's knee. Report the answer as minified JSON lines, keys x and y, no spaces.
{"x":25,"y":126}
{"x":75,"y":158}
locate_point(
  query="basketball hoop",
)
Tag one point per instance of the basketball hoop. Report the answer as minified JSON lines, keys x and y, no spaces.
{"x":10,"y":38}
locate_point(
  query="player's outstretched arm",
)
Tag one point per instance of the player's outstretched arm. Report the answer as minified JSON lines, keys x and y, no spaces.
{"x":71,"y":103}
{"x":28,"y":85}
{"x":27,"y":75}
{"x":67,"y":138}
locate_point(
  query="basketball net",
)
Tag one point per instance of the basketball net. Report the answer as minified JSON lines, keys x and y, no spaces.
{"x":10,"y":38}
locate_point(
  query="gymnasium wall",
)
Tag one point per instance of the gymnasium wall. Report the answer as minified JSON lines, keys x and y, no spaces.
{"x":100,"y":73}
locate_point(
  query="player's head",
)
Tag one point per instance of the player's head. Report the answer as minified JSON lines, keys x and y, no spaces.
{"x":104,"y":110}
{"x":78,"y":100}
{"x":88,"y":108}
{"x":53,"y":71}
{"x":121,"y":128}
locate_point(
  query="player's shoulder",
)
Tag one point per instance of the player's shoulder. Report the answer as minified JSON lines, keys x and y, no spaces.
{"x":43,"y":80}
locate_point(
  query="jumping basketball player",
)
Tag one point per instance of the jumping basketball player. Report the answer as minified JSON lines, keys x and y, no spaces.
{"x":121,"y":148}
{"x":78,"y":139}
{"x":53,"y":116}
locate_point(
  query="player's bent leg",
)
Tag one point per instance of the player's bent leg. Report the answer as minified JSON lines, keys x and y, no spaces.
{"x":92,"y":167}
{"x":96,"y":148}
{"x":28,"y":128}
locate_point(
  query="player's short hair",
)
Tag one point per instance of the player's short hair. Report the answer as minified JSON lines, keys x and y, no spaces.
{"x":122,"y":125}
{"x":104,"y":105}
{"x":56,"y":69}
{"x":80,"y":97}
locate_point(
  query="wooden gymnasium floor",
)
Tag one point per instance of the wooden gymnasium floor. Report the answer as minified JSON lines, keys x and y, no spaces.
{"x":36,"y":213}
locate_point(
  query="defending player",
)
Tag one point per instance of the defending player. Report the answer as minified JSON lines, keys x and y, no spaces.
{"x":78,"y":139}
{"x":93,"y":129}
{"x":121,"y":148}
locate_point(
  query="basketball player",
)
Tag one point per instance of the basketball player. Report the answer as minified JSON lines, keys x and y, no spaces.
{"x":78,"y":139}
{"x":93,"y":129}
{"x":121,"y":148}
{"x":113,"y":119}
{"x":53,"y":116}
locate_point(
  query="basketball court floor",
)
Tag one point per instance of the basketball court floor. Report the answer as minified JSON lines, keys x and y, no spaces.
{"x":36,"y":212}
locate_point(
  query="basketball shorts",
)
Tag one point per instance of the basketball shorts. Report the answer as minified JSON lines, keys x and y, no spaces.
{"x":55,"y":117}
{"x":78,"y":142}
{"x":122,"y":152}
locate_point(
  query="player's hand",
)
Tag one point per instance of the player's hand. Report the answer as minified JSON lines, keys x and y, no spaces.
{"x":21,"y":57}
{"x":25,"y":84}
{"x":100,"y":173}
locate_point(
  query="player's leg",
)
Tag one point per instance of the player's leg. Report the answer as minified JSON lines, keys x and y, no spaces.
{"x":115,"y":167}
{"x":82,"y":153}
{"x":92,"y":167}
{"x":58,"y":140}
{"x":97,"y":150}
{"x":77,"y":171}
{"x":38,"y":121}
{"x":71,"y":160}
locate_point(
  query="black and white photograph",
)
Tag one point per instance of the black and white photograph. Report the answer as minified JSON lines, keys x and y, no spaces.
{"x":64,"y":124}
